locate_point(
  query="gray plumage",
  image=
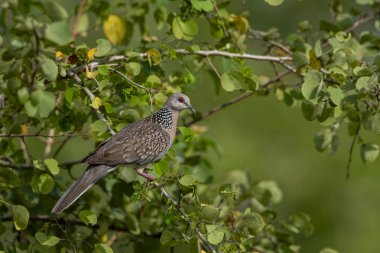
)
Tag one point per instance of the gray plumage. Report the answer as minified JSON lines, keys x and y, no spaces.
{"x":138,"y":144}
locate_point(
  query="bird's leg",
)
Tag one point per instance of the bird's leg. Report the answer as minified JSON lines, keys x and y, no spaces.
{"x":141,"y":172}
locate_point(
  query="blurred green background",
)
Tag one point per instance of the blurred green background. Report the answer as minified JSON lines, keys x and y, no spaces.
{"x":274,"y":142}
{"x":263,"y":136}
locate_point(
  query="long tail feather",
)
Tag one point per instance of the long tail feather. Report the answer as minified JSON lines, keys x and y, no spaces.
{"x":78,"y":188}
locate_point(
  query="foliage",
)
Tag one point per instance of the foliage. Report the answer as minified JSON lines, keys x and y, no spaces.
{"x":56,"y":85}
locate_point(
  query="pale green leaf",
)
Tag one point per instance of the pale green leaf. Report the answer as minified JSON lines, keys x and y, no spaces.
{"x":369,"y":152}
{"x":59,"y":33}
{"x":20,"y":217}
{"x":88,"y":217}
{"x":52,"y":166}
{"x":187,"y":180}
{"x":47,"y":240}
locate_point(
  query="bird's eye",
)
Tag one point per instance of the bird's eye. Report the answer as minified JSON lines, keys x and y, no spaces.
{"x":181,"y":100}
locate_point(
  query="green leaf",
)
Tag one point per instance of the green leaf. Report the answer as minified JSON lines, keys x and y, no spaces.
{"x":231,"y":81}
{"x":369,"y":152}
{"x":161,"y":167}
{"x":54,"y":10}
{"x":215,"y":234}
{"x":312,"y":85}
{"x":103,"y":47}
{"x":20,"y":217}
{"x":49,"y":68}
{"x":45,"y":102}
{"x":187,"y":180}
{"x":99,"y":126}
{"x":363,"y":2}
{"x":210,"y":213}
{"x":52,"y":166}
{"x":166,"y":237}
{"x":274,"y":2}
{"x":372,"y":123}
{"x":133,"y":68}
{"x":103,"y":248}
{"x":362,"y":82}
{"x":88,"y":217}
{"x":253,"y":221}
{"x":202,"y":5}
{"x":328,"y":250}
{"x":326,"y":140}
{"x":47,"y":240}
{"x":69,"y":94}
{"x":318,"y":48}
{"x":45,"y":183}
{"x":186,"y":30}
{"x":59,"y":33}
{"x":336,"y":94}
{"x":23,"y":95}
{"x":308,"y":110}
{"x":9,"y":178}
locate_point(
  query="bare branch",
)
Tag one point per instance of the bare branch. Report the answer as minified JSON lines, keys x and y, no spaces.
{"x":40,"y":135}
{"x":5,"y":163}
{"x":185,"y":215}
{"x":234,"y":100}
{"x":129,"y":80}
{"x":351,"y":150}
{"x":364,"y":19}
{"x":92,"y":96}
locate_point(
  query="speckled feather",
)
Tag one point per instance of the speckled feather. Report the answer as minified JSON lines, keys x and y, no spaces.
{"x":142,"y":142}
{"x":138,"y":144}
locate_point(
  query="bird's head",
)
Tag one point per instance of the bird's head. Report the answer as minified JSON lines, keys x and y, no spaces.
{"x":179,"y":101}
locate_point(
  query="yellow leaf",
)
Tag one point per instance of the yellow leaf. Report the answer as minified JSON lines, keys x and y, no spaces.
{"x":96,"y":103}
{"x":24,"y":129}
{"x":91,"y":54}
{"x":154,"y":56}
{"x":114,"y":28}
{"x":91,"y":74}
{"x":58,"y":55}
{"x":240,"y":22}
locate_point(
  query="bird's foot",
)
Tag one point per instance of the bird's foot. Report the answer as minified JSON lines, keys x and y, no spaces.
{"x":145,"y":175}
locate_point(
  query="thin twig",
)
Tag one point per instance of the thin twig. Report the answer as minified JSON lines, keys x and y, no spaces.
{"x":234,"y":100}
{"x":226,"y":34}
{"x":204,"y":53}
{"x":213,"y":67}
{"x":75,"y":25}
{"x":49,"y":143}
{"x":350,"y":152}
{"x":25,"y":150}
{"x":60,"y":147}
{"x":5,"y":163}
{"x":185,"y":215}
{"x":40,"y":135}
{"x":129,"y":80}
{"x":92,"y":96}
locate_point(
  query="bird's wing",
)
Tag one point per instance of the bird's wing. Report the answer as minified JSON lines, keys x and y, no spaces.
{"x":138,"y":143}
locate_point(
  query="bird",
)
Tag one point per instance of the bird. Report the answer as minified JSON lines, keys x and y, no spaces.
{"x":138,"y":144}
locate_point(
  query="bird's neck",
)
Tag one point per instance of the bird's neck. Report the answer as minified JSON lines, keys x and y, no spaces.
{"x":166,"y":117}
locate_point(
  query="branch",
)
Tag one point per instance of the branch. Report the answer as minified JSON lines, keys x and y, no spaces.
{"x":5,"y":163}
{"x":350,"y":152}
{"x":234,"y":100}
{"x":364,"y":19}
{"x":92,"y":96}
{"x":129,"y":80}
{"x":65,"y":222}
{"x":185,"y":215}
{"x":40,"y":135}
{"x":118,"y":58}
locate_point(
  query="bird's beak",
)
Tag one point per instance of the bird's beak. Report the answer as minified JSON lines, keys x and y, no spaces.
{"x":190,"y":108}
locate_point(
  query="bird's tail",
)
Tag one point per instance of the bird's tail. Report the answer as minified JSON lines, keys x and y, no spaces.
{"x":88,"y":179}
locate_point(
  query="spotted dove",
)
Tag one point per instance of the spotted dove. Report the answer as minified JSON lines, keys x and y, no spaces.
{"x":137,"y":144}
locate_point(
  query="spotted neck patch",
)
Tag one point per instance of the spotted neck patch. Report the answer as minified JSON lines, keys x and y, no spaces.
{"x":164,"y":117}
